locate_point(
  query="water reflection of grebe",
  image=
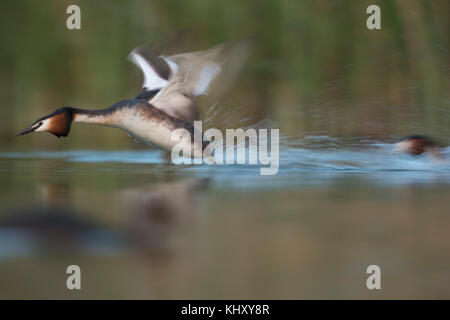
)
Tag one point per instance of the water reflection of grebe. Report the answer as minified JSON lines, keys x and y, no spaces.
{"x":156,"y":220}
{"x":162,"y":214}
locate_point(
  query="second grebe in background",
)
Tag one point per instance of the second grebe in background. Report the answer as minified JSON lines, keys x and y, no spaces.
{"x":417,"y":145}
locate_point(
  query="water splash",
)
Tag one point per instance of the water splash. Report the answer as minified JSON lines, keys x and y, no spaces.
{"x":310,"y":154}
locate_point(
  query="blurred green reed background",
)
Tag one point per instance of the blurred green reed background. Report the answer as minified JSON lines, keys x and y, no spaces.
{"x":315,"y":70}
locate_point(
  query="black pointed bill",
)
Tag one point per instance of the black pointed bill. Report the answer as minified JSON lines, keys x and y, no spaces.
{"x":30,"y":129}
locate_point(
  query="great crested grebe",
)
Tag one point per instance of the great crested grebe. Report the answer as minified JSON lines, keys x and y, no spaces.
{"x":166,"y":102}
{"x":417,"y":145}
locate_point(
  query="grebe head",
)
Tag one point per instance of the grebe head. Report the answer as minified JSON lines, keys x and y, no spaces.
{"x":57,"y":123}
{"x":415,"y":145}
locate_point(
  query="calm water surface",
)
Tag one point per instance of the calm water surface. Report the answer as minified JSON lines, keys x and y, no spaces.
{"x":141,"y":228}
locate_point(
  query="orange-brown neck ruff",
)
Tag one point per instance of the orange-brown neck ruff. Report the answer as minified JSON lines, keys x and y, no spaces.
{"x":57,"y":123}
{"x":60,"y":124}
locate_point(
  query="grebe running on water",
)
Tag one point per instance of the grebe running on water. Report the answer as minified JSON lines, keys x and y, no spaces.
{"x":166,"y":102}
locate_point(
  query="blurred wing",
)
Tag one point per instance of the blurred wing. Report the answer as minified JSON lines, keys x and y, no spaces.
{"x":155,"y":69}
{"x":198,"y":69}
{"x":193,"y":75}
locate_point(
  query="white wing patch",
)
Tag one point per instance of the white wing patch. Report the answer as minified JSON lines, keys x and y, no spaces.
{"x":152,"y":80}
{"x":208,"y":73}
